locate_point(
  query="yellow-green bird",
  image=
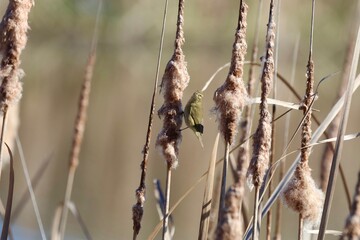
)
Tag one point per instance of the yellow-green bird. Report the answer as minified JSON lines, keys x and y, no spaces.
{"x":193,"y":115}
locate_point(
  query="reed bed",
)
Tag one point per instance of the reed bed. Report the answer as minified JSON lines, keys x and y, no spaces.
{"x":252,"y":163}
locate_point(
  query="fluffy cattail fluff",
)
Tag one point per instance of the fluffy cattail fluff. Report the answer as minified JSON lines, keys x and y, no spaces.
{"x":174,"y":82}
{"x":230,"y":227}
{"x":303,"y":196}
{"x":262,"y":138}
{"x":231,"y":97}
{"x":13,"y":39}
{"x":352,"y":226}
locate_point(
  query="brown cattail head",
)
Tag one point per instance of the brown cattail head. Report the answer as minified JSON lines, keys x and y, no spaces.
{"x":262,"y":139}
{"x":174,"y":82}
{"x":303,"y":196}
{"x":308,"y":98}
{"x":230,"y":227}
{"x":231,"y":97}
{"x":13,"y":39}
{"x":352,"y":226}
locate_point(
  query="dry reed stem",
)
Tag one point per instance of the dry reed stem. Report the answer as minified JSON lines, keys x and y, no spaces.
{"x":302,"y":194}
{"x":341,"y":132}
{"x":230,"y":100}
{"x":174,"y":82}
{"x":352,"y":225}
{"x":262,"y":137}
{"x":243,"y":158}
{"x":13,"y":38}
{"x":334,"y":126}
{"x":77,"y":138}
{"x":138,"y":208}
{"x":231,"y":97}
{"x":273,"y":122}
{"x":79,"y":127}
{"x":245,"y":125}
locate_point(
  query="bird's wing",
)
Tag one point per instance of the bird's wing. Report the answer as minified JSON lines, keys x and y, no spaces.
{"x":197,"y":124}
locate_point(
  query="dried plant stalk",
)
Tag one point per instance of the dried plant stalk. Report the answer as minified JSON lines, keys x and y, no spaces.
{"x":301,"y":194}
{"x":245,"y":125}
{"x":79,"y":127}
{"x":78,"y":137}
{"x":333,"y":128}
{"x":262,"y":137}
{"x":231,"y":97}
{"x":13,"y":38}
{"x":230,"y":100}
{"x":138,"y":207}
{"x":174,"y":82}
{"x":352,"y":225}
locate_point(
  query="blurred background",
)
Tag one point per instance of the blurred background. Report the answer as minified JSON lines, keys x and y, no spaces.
{"x":109,"y":172}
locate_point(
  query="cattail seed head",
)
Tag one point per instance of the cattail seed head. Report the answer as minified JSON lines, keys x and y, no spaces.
{"x":231,"y":97}
{"x":230,"y":227}
{"x":262,"y":139}
{"x":13,"y":27}
{"x":303,"y":196}
{"x":174,"y":82}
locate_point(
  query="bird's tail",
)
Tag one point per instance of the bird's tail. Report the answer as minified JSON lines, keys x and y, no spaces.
{"x":199,"y":136}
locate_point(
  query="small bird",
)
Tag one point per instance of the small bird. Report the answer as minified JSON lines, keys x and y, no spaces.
{"x":193,"y":115}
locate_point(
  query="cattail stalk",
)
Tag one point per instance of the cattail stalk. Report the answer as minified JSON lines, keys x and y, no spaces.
{"x":174,"y":82}
{"x":262,"y":138}
{"x":138,"y":208}
{"x":236,"y":191}
{"x":301,"y":194}
{"x":273,"y":121}
{"x":13,"y":28}
{"x":78,"y":137}
{"x":79,"y":128}
{"x":230,"y":100}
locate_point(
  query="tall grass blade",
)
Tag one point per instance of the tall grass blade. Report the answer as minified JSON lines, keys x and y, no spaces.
{"x":56,"y":222}
{"x":75,"y":212}
{"x":207,"y":200}
{"x":30,"y":188}
{"x":340,"y":141}
{"x":34,"y":182}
